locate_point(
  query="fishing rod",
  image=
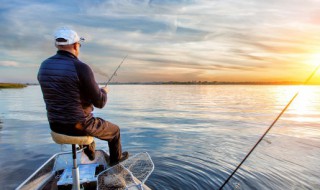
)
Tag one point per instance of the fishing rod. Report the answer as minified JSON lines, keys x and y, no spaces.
{"x":115,"y":72}
{"x":265,"y":133}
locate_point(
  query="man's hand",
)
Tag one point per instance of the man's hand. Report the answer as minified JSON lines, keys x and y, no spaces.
{"x":105,"y":89}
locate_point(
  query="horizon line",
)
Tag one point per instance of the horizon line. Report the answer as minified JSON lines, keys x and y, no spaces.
{"x":192,"y":83}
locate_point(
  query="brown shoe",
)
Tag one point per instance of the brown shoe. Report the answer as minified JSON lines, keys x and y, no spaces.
{"x":124,"y":156}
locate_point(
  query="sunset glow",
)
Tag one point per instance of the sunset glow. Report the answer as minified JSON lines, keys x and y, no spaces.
{"x":232,"y":41}
{"x":314,"y":59}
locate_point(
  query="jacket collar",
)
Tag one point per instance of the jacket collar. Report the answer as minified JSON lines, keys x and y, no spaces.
{"x":66,"y":53}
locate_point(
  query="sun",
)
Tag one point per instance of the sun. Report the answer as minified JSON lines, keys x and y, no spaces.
{"x":313,"y":62}
{"x":314,"y":59}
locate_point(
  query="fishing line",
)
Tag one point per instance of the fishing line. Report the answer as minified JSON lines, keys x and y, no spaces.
{"x":115,"y":72}
{"x":98,"y":71}
{"x":265,"y":133}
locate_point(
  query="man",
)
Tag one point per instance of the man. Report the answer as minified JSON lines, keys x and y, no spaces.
{"x":70,"y":92}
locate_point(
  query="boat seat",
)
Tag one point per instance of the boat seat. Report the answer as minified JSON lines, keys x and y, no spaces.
{"x":73,"y":140}
{"x":65,"y":139}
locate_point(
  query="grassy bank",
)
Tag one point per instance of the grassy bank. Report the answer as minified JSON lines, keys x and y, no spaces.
{"x":12,"y":85}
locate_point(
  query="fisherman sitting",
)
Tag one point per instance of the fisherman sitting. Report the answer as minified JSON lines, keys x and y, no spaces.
{"x":70,"y":93}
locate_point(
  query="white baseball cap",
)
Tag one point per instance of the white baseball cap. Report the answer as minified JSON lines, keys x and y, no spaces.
{"x":69,"y":35}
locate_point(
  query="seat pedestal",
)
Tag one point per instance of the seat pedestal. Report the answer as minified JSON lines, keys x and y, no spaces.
{"x":73,"y":140}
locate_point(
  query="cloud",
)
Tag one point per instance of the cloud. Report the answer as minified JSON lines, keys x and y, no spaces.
{"x":9,"y":64}
{"x":183,"y":36}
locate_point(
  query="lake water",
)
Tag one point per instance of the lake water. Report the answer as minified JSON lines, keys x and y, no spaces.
{"x":195,"y":134}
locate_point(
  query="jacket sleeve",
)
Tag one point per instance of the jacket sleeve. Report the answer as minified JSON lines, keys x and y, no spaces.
{"x":89,"y":89}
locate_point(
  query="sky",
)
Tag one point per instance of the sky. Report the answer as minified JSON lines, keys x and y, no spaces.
{"x":167,"y":40}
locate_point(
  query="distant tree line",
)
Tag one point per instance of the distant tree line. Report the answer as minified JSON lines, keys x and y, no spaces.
{"x":12,"y":85}
{"x":211,"y":83}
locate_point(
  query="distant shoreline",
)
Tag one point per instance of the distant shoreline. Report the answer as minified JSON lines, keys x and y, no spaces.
{"x":12,"y":85}
{"x":22,"y":85}
{"x":211,"y":83}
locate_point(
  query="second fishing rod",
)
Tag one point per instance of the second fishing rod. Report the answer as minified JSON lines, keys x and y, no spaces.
{"x":269,"y":128}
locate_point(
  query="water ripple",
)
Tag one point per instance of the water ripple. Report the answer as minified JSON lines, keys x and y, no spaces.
{"x":196,"y":135}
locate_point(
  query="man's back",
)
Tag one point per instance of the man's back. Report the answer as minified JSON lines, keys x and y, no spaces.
{"x":60,"y":86}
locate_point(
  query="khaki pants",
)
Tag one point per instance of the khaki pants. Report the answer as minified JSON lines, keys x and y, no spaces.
{"x":107,"y":131}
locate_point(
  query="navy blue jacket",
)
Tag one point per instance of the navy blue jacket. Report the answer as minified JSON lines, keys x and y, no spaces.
{"x":69,"y":89}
